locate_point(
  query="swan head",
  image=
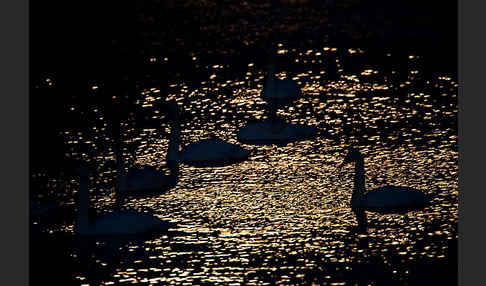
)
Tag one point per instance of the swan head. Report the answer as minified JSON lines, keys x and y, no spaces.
{"x":353,"y":155}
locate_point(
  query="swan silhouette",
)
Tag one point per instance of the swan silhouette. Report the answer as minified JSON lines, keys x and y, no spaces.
{"x":279,"y":91}
{"x":276,"y":93}
{"x":212,"y":152}
{"x":117,"y":223}
{"x":149,"y":180}
{"x":387,"y":199}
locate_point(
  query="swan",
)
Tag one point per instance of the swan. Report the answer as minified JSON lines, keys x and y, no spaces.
{"x":279,"y":91}
{"x":387,"y":199}
{"x":276,"y":92}
{"x":149,"y":180}
{"x":118,"y":223}
{"x":213,"y":152}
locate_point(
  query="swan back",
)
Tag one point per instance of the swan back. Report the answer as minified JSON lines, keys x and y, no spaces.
{"x":394,"y":199}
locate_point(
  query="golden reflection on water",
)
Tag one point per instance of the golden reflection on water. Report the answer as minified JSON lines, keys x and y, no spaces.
{"x":285,"y":211}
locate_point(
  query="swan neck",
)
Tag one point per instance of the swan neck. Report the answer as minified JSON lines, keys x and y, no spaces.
{"x":173,"y":149}
{"x":271,"y":85}
{"x":119,"y":162}
{"x":359,"y":182}
{"x":82,"y":220}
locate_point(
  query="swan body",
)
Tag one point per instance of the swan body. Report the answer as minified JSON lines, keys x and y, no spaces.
{"x":393,"y":199}
{"x":388,"y":199}
{"x":212,"y":152}
{"x":274,"y":132}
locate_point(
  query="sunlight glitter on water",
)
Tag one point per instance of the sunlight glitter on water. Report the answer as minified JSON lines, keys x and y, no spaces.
{"x":285,"y":212}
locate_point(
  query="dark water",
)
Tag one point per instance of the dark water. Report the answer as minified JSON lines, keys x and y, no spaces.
{"x":283,"y":216}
